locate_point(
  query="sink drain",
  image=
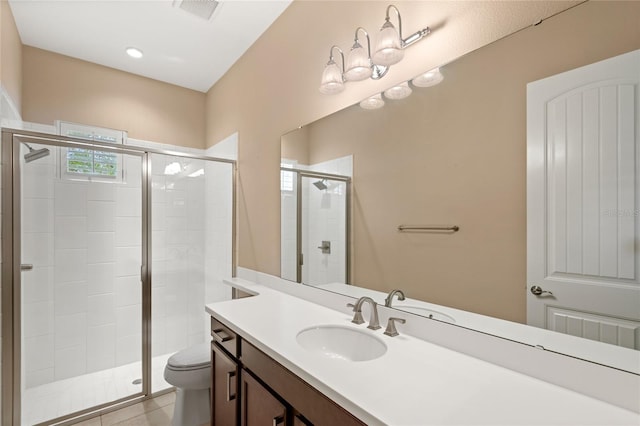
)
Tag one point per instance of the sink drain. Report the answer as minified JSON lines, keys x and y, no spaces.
{"x":136,"y":382}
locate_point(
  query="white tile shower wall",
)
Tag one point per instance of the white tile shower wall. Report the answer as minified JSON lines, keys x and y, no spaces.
{"x":191,"y":251}
{"x":82,"y":304}
{"x":218,"y":234}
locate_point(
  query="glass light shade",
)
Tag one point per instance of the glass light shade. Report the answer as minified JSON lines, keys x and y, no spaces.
{"x":358,"y":64}
{"x":400,"y":91}
{"x":332,"y":81}
{"x":428,"y":79}
{"x":374,"y":102}
{"x":389,"y":46}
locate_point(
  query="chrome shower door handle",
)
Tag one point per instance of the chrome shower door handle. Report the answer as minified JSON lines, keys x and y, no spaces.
{"x":325,"y":246}
{"x":538,"y":291}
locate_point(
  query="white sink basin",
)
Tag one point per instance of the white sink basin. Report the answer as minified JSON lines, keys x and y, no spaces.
{"x":425,"y":313}
{"x":345,"y":343}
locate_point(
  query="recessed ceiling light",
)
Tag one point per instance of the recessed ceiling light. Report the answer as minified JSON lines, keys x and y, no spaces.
{"x":134,"y":53}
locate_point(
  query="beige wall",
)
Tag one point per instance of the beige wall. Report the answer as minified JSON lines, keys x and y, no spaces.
{"x":295,"y":145}
{"x":10,"y":55}
{"x":456,"y":154}
{"x":273,"y":88}
{"x":57,"y":87}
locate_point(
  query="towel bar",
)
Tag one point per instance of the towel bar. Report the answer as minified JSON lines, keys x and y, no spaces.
{"x":452,"y":228}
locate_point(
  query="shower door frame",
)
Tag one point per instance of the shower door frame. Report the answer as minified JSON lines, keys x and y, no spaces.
{"x":11,"y":384}
{"x":329,"y":176}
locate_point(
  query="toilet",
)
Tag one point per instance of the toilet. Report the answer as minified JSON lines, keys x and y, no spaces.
{"x":190,"y":372}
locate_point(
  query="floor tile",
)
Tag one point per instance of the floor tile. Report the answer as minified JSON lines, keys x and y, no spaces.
{"x":159,"y":417}
{"x":91,"y":422}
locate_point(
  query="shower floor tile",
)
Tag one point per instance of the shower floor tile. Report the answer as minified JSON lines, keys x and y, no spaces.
{"x":56,"y":399}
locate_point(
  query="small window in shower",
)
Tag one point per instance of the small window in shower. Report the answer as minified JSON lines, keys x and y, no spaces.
{"x":87,"y":164}
{"x":287,"y":177}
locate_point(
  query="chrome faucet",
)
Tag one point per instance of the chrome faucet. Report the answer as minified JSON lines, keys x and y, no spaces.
{"x":374,"y":322}
{"x":389,"y":299}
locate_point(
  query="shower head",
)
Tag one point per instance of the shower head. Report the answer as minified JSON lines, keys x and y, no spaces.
{"x":34,"y":154}
{"x":320,"y":184}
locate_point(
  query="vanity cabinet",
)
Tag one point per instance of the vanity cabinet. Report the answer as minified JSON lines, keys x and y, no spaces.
{"x":249,"y":388}
{"x":259,"y":405}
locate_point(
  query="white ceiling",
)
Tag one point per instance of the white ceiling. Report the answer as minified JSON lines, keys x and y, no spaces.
{"x":179,"y":48}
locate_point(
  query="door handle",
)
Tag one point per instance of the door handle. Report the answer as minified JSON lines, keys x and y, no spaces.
{"x":278,"y":420}
{"x":325,"y":246}
{"x":538,"y":291}
{"x":26,"y":267}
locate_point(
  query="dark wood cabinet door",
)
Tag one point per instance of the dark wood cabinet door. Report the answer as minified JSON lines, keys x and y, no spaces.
{"x":224,"y":389}
{"x":299,"y":420}
{"x":259,"y":406}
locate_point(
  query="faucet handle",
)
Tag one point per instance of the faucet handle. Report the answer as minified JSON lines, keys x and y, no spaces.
{"x":357,"y":316}
{"x":391,"y":326}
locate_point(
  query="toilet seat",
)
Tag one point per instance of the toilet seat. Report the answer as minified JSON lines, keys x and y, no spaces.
{"x":190,"y":368}
{"x":193,"y":358}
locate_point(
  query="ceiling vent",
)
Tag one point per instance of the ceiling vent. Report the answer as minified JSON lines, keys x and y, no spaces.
{"x":200,"y":8}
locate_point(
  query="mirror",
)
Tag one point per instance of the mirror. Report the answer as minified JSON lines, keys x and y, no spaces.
{"x":455,"y":154}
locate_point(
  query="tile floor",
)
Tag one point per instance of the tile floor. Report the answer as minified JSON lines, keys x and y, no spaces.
{"x":59,"y":398}
{"x":154,"y":412}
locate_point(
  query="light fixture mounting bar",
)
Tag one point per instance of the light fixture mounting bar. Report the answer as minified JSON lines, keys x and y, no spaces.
{"x":417,"y":36}
{"x":406,"y":42}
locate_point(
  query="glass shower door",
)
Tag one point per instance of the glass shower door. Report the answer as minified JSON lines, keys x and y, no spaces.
{"x":323,"y":230}
{"x":191,"y":251}
{"x":81,"y":291}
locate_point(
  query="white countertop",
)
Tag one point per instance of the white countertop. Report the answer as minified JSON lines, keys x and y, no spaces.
{"x":415,"y":382}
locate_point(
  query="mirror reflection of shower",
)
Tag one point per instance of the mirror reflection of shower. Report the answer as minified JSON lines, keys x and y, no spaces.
{"x":315,"y":223}
{"x":35,"y":154}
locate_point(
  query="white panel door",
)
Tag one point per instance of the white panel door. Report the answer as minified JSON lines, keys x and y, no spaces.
{"x":582,"y":201}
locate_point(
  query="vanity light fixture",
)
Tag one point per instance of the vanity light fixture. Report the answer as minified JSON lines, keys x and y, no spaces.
{"x":332,"y":76}
{"x":400,"y":91}
{"x":360,"y":64}
{"x":134,"y":52}
{"x":428,"y":79}
{"x":373,"y":102}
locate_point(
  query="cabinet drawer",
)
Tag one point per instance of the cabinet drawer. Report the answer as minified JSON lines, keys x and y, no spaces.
{"x":225,"y":337}
{"x":316,"y":408}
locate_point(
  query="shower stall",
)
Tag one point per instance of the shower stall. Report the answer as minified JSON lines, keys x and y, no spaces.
{"x":109,"y":254}
{"x":315,"y":226}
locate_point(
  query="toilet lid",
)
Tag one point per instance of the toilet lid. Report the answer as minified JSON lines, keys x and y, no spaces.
{"x":198,"y":356}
